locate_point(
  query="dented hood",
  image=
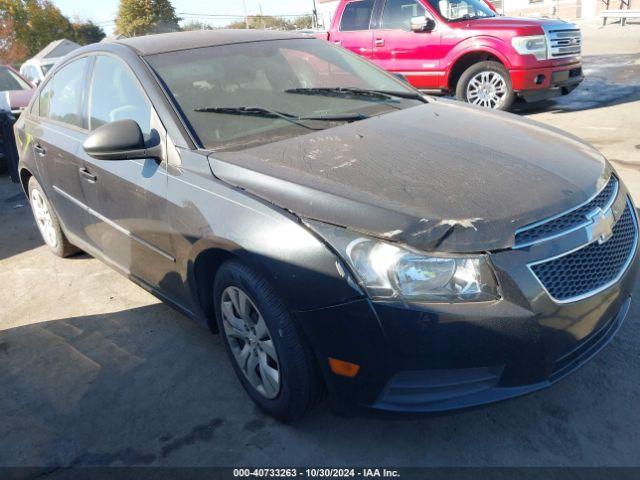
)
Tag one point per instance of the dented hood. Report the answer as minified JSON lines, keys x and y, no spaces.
{"x":442,"y":176}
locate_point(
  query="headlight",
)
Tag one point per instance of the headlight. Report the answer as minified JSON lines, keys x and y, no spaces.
{"x":389,"y":271}
{"x":533,"y":45}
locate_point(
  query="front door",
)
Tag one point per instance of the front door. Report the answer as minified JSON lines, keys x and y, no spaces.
{"x":127,"y":198}
{"x":397,"y":49}
{"x":354,"y":32}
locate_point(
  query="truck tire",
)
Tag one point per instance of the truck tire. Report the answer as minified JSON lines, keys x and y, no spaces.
{"x":486,"y":84}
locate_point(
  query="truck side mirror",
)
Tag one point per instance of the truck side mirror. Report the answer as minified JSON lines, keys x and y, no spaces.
{"x":422,"y":24}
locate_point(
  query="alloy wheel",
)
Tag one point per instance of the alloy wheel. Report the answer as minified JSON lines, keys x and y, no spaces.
{"x":43,"y":218}
{"x":487,"y":89}
{"x":250,"y":341}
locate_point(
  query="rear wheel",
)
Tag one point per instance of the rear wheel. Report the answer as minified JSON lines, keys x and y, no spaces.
{"x":486,"y":84}
{"x":271,"y":359}
{"x":48,"y":222}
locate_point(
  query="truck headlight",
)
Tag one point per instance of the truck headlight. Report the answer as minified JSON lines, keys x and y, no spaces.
{"x":532,"y":45}
{"x":392,"y":272}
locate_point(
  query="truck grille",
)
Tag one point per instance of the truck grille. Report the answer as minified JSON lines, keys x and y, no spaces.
{"x":564,"y":42}
{"x":567,"y":222}
{"x":593,"y":268}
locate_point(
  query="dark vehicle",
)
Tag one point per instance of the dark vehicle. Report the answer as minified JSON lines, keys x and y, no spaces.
{"x":343,"y":231}
{"x":15,"y":93}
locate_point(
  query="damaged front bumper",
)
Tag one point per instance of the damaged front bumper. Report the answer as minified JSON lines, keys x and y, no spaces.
{"x":438,"y":357}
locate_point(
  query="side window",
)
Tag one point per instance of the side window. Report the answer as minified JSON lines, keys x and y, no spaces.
{"x":61,"y":97}
{"x":356,"y":16}
{"x":397,"y":14}
{"x":115,"y":95}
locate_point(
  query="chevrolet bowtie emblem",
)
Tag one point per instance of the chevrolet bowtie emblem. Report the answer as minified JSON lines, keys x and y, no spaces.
{"x":602,"y":224}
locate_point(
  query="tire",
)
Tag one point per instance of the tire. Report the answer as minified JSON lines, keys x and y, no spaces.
{"x":50,"y":228}
{"x":493,"y":99}
{"x":300,"y":385}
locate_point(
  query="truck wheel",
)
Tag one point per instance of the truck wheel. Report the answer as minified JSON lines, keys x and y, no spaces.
{"x":272,"y":361}
{"x":486,"y":84}
{"x":48,"y":222}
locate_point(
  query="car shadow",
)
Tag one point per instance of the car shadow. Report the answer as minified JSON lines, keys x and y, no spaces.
{"x":19,"y":232}
{"x":147,"y":387}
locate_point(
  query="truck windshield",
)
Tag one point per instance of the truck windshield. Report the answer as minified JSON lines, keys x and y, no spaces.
{"x":454,"y":10}
{"x":242,"y":95}
{"x":9,"y":80}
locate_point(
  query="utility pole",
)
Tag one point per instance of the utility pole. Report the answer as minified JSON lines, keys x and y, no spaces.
{"x":315,"y":15}
{"x":246,"y":17}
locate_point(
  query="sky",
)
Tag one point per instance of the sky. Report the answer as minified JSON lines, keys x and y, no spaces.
{"x":104,"y":11}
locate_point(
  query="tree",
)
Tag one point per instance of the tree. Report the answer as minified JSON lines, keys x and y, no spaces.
{"x":142,"y":17}
{"x":87,"y":32}
{"x":196,"y":25}
{"x":304,"y":22}
{"x":11,"y":51}
{"x":35,"y":23}
{"x":274,"y":23}
{"x":27,"y":26}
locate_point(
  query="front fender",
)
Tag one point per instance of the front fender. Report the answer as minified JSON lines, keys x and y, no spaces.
{"x":482,"y":44}
{"x":208,"y":214}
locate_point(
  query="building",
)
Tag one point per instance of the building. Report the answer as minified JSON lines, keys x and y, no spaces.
{"x":565,"y":9}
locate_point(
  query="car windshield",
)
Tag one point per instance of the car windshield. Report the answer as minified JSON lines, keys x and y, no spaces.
{"x":9,"y":80}
{"x":242,"y":95}
{"x":454,"y":10}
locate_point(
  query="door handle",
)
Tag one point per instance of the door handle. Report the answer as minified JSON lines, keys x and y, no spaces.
{"x":87,"y":175}
{"x":338,"y":42}
{"x":39,"y":150}
{"x":379,"y":42}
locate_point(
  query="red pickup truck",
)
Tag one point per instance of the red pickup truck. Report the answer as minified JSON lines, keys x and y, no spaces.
{"x":463,"y":47}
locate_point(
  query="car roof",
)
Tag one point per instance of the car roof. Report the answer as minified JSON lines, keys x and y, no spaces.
{"x":172,"y":42}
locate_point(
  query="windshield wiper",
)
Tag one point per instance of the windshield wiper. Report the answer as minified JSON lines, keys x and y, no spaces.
{"x":365,"y":94}
{"x":268,"y":113}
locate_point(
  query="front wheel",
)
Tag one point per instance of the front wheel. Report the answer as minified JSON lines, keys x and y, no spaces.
{"x":271,"y":359}
{"x":486,"y":84}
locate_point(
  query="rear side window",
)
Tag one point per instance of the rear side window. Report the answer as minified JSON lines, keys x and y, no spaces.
{"x":61,"y":97}
{"x":115,"y":95}
{"x":397,"y":14}
{"x":356,"y":16}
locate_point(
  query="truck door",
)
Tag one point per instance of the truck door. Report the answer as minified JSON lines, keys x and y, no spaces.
{"x":353,"y":31}
{"x":397,"y":49}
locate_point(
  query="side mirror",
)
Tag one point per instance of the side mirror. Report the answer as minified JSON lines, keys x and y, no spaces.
{"x":121,"y":140}
{"x":36,"y":82}
{"x":422,"y":24}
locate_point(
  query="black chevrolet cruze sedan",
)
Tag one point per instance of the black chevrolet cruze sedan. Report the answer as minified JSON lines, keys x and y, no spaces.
{"x":343,"y":232}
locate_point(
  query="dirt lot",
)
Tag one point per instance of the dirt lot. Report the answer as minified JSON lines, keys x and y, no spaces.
{"x":96,"y":371}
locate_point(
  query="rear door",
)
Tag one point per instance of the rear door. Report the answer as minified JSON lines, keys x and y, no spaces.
{"x":55,"y":131}
{"x":128,"y":197}
{"x":397,"y":49}
{"x":354,"y":30}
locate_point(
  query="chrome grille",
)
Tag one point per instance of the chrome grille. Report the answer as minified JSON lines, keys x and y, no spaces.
{"x":593,"y":268}
{"x":568,"y":221}
{"x":564,"y":42}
